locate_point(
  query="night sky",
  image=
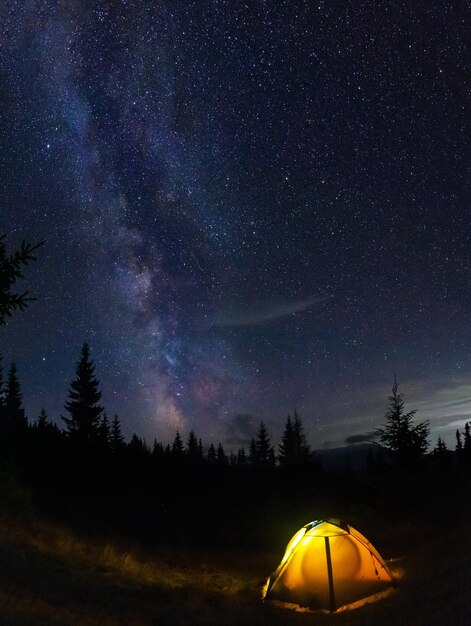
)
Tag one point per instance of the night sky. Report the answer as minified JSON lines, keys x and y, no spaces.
{"x":246,"y":207}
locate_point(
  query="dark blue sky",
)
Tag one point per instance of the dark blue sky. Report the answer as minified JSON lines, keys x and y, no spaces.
{"x":246,"y":207}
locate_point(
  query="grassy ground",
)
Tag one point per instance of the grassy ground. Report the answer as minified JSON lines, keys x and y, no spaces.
{"x":51,"y":576}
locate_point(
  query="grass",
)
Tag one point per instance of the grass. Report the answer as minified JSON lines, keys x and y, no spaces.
{"x":50,"y":575}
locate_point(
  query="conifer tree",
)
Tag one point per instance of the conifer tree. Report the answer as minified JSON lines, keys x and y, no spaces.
{"x":157,"y":450}
{"x":211,"y":456}
{"x":408,"y":442}
{"x":253,"y":455}
{"x":301,"y":446}
{"x":459,"y":443}
{"x":117,"y":439}
{"x":137,"y":447}
{"x":467,"y":439}
{"x":177,"y":446}
{"x":242,"y":457}
{"x":84,"y":397}
{"x":42,"y":422}
{"x":265,"y":456}
{"x":10,"y":272}
{"x":104,"y":430}
{"x":440,"y":448}
{"x":294,"y":447}
{"x":287,"y":446}
{"x":192,"y":447}
{"x":14,"y":411}
{"x":221,"y":456}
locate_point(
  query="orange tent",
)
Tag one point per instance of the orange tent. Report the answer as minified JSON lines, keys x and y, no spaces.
{"x":327,"y":565}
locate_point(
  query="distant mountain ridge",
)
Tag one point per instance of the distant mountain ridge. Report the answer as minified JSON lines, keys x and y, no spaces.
{"x":353,"y":456}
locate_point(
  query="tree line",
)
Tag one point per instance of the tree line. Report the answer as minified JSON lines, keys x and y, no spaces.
{"x":85,"y":473}
{"x":87,"y":423}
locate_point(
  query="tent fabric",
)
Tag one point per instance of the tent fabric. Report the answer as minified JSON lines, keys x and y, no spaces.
{"x":327,"y":565}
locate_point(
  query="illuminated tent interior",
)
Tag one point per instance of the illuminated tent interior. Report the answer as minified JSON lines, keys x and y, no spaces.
{"x":328,"y":565}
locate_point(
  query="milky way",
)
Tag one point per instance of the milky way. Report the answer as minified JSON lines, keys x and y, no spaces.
{"x":246,"y":207}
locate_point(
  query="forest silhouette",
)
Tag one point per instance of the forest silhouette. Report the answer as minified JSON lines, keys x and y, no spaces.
{"x":185,"y":491}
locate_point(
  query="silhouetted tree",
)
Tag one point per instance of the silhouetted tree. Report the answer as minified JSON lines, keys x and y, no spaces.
{"x":192,"y":447}
{"x":137,"y":449}
{"x":177,"y":446}
{"x":302,"y":448}
{"x":221,"y":456}
{"x":442,"y":458}
{"x":440,"y":448}
{"x":211,"y":456}
{"x":14,"y":411}
{"x":286,"y":448}
{"x":10,"y":272}
{"x":264,"y":452}
{"x":464,"y":454}
{"x":294,"y":447}
{"x":104,"y":430}
{"x":459,"y":443}
{"x":253,"y":457}
{"x":84,"y":397}
{"x":117,"y":439}
{"x":46,"y":428}
{"x":242,"y":457}
{"x":467,"y":439}
{"x":407,"y":442}
{"x":42,"y":422}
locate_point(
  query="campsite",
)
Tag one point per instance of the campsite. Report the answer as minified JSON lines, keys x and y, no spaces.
{"x":52,"y":575}
{"x":148,"y":537}
{"x":235,"y":313}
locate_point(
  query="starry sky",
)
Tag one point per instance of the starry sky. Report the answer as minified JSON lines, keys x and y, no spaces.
{"x":246,"y":206}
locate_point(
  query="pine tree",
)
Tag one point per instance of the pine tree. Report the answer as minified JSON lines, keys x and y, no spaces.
{"x":408,"y":442}
{"x":459,"y":443}
{"x":286,"y":448}
{"x":242,"y":457}
{"x":42,"y":422}
{"x":211,"y":456}
{"x":192,"y":447}
{"x":157,"y":450}
{"x":253,"y":454}
{"x":84,"y":397}
{"x":137,"y":447}
{"x":14,"y":411}
{"x":221,"y":456}
{"x":467,"y":439}
{"x":294,"y":447}
{"x":177,"y":446}
{"x":301,"y":446}
{"x":265,"y":454}
{"x":10,"y":272}
{"x":117,"y":439}
{"x":440,"y":449}
{"x":104,"y":430}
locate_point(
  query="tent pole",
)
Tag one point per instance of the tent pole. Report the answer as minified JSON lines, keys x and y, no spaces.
{"x":330,"y":574}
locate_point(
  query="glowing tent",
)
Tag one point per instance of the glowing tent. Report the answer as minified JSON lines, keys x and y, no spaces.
{"x":327,"y":565}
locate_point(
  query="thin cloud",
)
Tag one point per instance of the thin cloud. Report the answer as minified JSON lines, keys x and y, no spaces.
{"x":258,"y":312}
